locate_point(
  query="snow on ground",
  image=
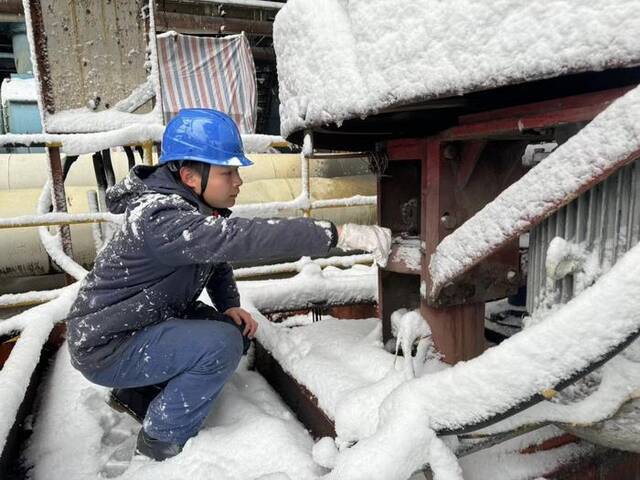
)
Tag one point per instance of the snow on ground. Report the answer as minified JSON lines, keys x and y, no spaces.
{"x":568,"y":340}
{"x":250,"y":434}
{"x":346,"y":59}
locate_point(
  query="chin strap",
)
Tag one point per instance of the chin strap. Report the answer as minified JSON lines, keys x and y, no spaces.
{"x":204,"y":178}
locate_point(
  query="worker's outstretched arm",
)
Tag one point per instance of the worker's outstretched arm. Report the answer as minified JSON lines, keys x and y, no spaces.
{"x":176,"y":234}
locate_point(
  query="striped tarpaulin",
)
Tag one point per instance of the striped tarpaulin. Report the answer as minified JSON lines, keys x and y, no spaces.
{"x":209,"y":73}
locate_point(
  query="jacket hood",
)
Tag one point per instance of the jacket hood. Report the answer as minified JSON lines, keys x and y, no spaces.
{"x":145,"y":179}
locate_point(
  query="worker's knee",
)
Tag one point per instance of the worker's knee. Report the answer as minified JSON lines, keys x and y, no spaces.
{"x":221,"y":346}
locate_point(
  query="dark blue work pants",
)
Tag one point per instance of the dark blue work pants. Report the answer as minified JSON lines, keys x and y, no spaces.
{"x":192,"y":358}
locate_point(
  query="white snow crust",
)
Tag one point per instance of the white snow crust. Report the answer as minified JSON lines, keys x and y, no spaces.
{"x":568,"y":340}
{"x":357,"y":284}
{"x":18,"y":90}
{"x":341,"y":59}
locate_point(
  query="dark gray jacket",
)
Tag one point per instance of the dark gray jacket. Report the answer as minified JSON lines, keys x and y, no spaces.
{"x":168,"y":250}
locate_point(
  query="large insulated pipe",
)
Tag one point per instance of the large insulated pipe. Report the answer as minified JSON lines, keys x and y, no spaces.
{"x":272,"y":178}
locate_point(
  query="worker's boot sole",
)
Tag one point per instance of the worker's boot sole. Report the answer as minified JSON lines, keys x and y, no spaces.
{"x":156,"y":449}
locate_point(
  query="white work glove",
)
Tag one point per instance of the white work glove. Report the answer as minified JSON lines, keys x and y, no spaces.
{"x":370,"y":238}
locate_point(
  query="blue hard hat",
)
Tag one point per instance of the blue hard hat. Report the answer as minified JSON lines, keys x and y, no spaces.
{"x":203,"y":135}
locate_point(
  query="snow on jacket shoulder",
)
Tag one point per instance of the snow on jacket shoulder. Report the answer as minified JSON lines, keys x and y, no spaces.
{"x":170,"y":248}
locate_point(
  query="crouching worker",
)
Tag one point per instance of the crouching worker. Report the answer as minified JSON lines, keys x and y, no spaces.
{"x":136,"y":325}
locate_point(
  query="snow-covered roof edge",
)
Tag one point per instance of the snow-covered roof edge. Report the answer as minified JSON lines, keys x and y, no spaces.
{"x":345,"y":59}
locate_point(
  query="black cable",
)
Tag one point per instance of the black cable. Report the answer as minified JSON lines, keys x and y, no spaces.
{"x":108,"y":167}
{"x":98,"y":169}
{"x":130,"y":157}
{"x":537,"y":398}
{"x":140,"y":151}
{"x":66,"y":165}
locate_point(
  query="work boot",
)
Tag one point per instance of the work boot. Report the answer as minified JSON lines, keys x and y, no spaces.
{"x":133,"y":401}
{"x":156,"y":449}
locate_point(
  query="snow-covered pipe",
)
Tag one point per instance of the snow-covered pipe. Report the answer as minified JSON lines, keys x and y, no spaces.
{"x":248,"y":3}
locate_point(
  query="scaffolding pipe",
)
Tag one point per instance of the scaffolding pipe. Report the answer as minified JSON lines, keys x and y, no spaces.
{"x":264,"y":4}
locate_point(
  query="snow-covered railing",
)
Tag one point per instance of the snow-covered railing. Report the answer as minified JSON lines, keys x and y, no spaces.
{"x":52,"y":219}
{"x":298,"y":265}
{"x":34,"y":326}
{"x":303,"y":201}
{"x":86,"y":143}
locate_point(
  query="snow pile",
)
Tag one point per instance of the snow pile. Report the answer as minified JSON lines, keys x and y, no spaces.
{"x":255,"y":143}
{"x":82,"y":143}
{"x":85,"y":120}
{"x":250,"y":434}
{"x":410,"y":328}
{"x":567,"y":341}
{"x":408,"y":252}
{"x":618,"y":383}
{"x":18,"y":90}
{"x":298,"y":265}
{"x":344,"y":59}
{"x":34,"y":326}
{"x":505,"y":462}
{"x":563,"y":258}
{"x":611,"y":139}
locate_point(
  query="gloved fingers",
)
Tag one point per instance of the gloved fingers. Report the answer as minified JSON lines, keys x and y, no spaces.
{"x":383,"y":247}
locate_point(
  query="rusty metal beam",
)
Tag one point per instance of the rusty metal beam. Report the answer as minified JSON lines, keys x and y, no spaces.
{"x":60,"y":202}
{"x":303,"y":403}
{"x":534,"y":116}
{"x":42,"y":60}
{"x":199,"y":24}
{"x":458,"y":330}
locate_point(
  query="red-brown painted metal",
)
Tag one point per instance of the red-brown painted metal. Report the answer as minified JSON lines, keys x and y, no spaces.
{"x":462,"y":169}
{"x":435,"y":294}
{"x":541,"y":115}
{"x":301,"y":401}
{"x":458,"y":331}
{"x":60,"y":202}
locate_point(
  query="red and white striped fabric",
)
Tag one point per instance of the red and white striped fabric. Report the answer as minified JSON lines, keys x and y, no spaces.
{"x":208,"y":72}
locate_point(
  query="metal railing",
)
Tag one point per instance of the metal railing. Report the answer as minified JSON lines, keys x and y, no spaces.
{"x":303,"y":202}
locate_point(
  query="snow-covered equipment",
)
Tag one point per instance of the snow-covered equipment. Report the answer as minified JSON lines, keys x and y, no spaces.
{"x":447,"y":98}
{"x":203,"y":135}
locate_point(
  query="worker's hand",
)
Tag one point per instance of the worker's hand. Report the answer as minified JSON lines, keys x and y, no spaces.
{"x":370,"y":238}
{"x":240,"y":316}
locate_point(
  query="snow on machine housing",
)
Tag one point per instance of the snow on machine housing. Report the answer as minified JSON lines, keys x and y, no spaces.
{"x":447,"y":105}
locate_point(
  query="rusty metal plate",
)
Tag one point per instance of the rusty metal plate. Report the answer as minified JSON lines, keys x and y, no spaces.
{"x":89,"y":53}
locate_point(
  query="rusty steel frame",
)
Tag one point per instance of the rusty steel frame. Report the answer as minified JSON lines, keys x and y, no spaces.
{"x":450,"y":164}
{"x":59,"y":201}
{"x":543,"y":115}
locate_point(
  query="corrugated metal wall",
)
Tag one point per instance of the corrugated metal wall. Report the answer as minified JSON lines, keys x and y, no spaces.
{"x":606,"y":220}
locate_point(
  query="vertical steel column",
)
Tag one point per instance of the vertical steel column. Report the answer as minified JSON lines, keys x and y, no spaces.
{"x":458,"y":331}
{"x":59,"y":200}
{"x":148,"y":153}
